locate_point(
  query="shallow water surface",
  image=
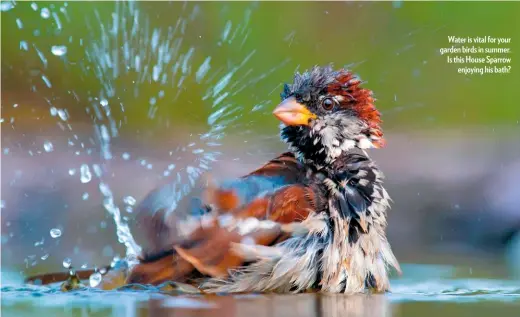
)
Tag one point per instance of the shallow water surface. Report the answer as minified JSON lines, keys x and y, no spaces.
{"x":437,"y":293}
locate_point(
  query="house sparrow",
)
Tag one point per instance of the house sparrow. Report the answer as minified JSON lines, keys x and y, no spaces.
{"x":312,"y":219}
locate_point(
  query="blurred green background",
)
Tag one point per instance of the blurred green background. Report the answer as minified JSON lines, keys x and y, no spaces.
{"x":392,"y":45}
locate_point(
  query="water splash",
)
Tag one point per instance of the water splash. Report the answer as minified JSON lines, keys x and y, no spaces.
{"x":55,"y":233}
{"x":86,"y":175}
{"x":129,"y":200}
{"x":47,"y":145}
{"x":59,"y":50}
{"x":6,"y":6}
{"x":45,"y":13}
{"x":67,"y":263}
{"x":95,"y":279}
{"x":150,"y":64}
{"x":126,"y":47}
{"x":405,"y":293}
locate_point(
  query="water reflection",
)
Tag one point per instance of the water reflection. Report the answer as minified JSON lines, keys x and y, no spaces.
{"x":304,"y":305}
{"x":434,"y":293}
{"x":127,"y":304}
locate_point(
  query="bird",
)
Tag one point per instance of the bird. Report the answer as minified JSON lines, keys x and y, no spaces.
{"x":313,"y":219}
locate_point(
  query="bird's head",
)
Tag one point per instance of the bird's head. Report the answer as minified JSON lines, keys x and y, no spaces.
{"x":325,"y":113}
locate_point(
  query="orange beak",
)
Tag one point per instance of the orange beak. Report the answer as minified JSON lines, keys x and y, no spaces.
{"x":291,"y":112}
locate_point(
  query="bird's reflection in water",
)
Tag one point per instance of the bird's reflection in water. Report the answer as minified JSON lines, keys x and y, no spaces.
{"x":354,"y":306}
{"x":304,"y":305}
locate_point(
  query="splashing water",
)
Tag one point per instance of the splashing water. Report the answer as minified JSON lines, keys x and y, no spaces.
{"x":95,"y":279}
{"x":55,"y":233}
{"x":125,"y":47}
{"x":86,"y":176}
{"x":47,"y":145}
{"x":67,"y":263}
{"x":59,"y":50}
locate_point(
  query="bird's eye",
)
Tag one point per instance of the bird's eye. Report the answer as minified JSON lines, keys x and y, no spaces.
{"x":328,"y":104}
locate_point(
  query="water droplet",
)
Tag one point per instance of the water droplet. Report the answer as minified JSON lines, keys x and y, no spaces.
{"x":85,"y":196}
{"x":129,"y":200}
{"x":114,"y":261}
{"x":203,"y":70}
{"x":19,"y":23}
{"x":86,"y":176}
{"x":84,"y":265}
{"x":45,"y":256}
{"x":45,"y":13}
{"x":257,"y":107}
{"x":59,"y":50}
{"x":171,"y":167}
{"x":34,"y":6}
{"x":2,"y":204}
{"x":105,"y":190}
{"x":226,"y":31}
{"x":38,"y":243}
{"x":47,"y":145}
{"x":46,"y":81}
{"x":24,"y":46}
{"x":72,"y":171}
{"x":222,"y":83}
{"x":54,"y":111}
{"x":97,"y":170}
{"x":63,"y":115}
{"x":55,"y":233}
{"x":6,"y":6}
{"x":104,"y":102}
{"x":67,"y":263}
{"x":125,"y":156}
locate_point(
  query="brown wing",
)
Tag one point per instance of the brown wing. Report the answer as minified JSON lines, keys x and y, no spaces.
{"x":285,"y":165}
{"x":208,"y":247}
{"x":169,"y":267}
{"x":281,"y":171}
